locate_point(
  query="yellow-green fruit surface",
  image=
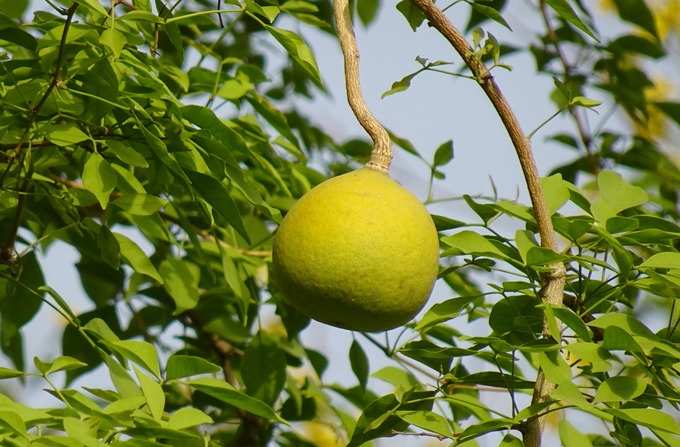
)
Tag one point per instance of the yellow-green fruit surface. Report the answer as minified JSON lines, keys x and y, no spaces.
{"x":358,"y":251}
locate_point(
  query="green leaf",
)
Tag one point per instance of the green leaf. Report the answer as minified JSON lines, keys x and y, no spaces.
{"x":187,"y":417}
{"x":556,"y":192}
{"x":427,"y":420}
{"x":233,"y":89}
{"x":268,"y":12}
{"x":121,"y":379}
{"x":376,"y":420}
{"x":397,"y":377}
{"x":9,"y":373}
{"x":469,"y":242}
{"x":14,"y":8}
{"x":670,"y":109}
{"x":99,"y":178}
{"x":517,"y":314}
{"x":565,"y":11}
{"x":571,"y":437}
{"x":443,"y":154}
{"x":638,"y":13}
{"x":264,"y":369}
{"x":444,"y":311}
{"x":63,"y":363}
{"x":367,"y":10}
{"x":510,"y":441}
{"x":414,"y":16}
{"x":229,"y":139}
{"x":153,"y":393}
{"x":404,"y":144}
{"x":620,"y":389}
{"x":220,"y":390}
{"x":584,"y":102}
{"x":495,"y":379}
{"x":125,"y":405}
{"x":216,"y":194}
{"x":648,"y":417}
{"x":179,"y":366}
{"x":476,"y":430}
{"x":140,"y":352}
{"x":66,"y":135}
{"x":134,"y":255}
{"x":180,"y":279}
{"x":615,"y":196}
{"x":443,"y":223}
{"x":114,"y":40}
{"x":298,"y":50}
{"x":485,"y":211}
{"x":575,"y":323}
{"x":359,"y":362}
{"x":399,"y":86}
{"x":491,"y":13}
{"x":665,"y":260}
{"x":109,"y":249}
{"x":61,"y":302}
{"x":139,"y":204}
{"x":141,"y":16}
{"x":14,"y":421}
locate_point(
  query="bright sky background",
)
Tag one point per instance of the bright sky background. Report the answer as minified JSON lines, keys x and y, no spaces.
{"x":436,"y":108}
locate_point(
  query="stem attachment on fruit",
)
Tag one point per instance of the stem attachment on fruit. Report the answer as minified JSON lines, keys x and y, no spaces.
{"x":381,"y":155}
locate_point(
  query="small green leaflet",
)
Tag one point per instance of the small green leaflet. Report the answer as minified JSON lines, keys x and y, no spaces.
{"x":99,"y":178}
{"x":298,"y":50}
{"x":566,"y":12}
{"x":66,"y":135}
{"x":216,"y":194}
{"x":134,"y":255}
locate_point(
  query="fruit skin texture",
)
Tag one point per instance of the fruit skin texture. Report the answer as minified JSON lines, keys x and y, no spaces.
{"x":358,"y":251}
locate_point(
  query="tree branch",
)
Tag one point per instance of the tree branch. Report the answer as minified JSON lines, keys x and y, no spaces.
{"x":60,"y":59}
{"x":553,"y":288}
{"x":7,"y":252}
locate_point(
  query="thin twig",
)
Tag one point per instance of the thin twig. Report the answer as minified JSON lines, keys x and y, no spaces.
{"x":60,"y":59}
{"x":552,"y":291}
{"x":381,"y":155}
{"x":584,"y":135}
{"x":7,"y":252}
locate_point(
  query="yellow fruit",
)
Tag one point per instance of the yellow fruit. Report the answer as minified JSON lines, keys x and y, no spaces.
{"x":358,"y":252}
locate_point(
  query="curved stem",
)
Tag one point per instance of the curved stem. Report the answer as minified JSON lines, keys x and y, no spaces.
{"x":381,"y":156}
{"x":552,"y":291}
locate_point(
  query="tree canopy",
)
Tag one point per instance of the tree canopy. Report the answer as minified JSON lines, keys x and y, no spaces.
{"x":129,"y":123}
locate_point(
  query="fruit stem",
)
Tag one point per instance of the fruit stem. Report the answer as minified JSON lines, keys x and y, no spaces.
{"x":381,"y":155}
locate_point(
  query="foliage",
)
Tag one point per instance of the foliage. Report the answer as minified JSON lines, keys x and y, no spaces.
{"x":167,"y":124}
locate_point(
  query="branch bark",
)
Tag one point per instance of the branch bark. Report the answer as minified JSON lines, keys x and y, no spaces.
{"x":553,"y":288}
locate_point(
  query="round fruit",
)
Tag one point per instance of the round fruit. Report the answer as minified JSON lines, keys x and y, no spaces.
{"x":358,"y":252}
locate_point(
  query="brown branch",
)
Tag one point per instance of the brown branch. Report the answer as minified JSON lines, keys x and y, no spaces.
{"x":577,"y":117}
{"x":253,"y":430}
{"x":381,"y":155}
{"x":553,"y":288}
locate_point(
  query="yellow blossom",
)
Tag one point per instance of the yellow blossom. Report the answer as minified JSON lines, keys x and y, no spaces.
{"x":321,"y":434}
{"x":656,"y":124}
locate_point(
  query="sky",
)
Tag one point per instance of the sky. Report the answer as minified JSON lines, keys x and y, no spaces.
{"x":436,"y":108}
